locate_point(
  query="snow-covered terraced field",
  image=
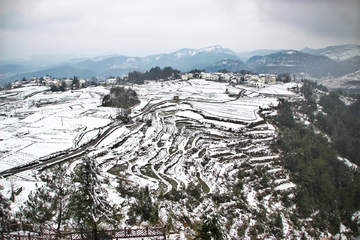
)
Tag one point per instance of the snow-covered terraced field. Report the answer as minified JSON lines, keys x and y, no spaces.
{"x":36,"y":125}
{"x":206,"y":138}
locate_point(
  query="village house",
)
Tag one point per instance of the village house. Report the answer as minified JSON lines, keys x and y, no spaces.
{"x":203,"y":75}
{"x":47,"y":80}
{"x":213,"y":77}
{"x":210,"y":76}
{"x":110,"y":81}
{"x":16,"y":84}
{"x":56,"y":82}
{"x":83,"y":83}
{"x":259,"y":80}
{"x":234,"y":80}
{"x":33,"y":80}
{"x":125,"y":77}
{"x":68,"y":82}
{"x":262,"y":77}
{"x":187,"y":76}
{"x":255,"y":81}
{"x":224,"y":77}
{"x":270,"y":78}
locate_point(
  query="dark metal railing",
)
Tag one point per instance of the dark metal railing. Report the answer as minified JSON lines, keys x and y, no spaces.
{"x":45,"y":233}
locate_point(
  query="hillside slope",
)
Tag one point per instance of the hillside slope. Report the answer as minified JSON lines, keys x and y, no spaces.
{"x":294,"y":62}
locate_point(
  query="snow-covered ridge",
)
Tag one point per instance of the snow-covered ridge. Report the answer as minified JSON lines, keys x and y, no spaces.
{"x":289,"y":52}
{"x":341,"y":53}
{"x":349,"y":81}
{"x":212,"y":49}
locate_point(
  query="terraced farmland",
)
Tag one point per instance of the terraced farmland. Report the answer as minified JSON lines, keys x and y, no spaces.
{"x":205,"y":152}
{"x":218,"y":144}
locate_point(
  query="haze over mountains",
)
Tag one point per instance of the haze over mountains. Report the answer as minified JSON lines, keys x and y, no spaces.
{"x":335,"y":60}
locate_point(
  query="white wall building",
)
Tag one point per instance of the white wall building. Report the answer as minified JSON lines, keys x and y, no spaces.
{"x":110,"y":81}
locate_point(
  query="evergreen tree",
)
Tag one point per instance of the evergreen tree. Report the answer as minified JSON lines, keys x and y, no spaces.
{"x":145,"y":207}
{"x":4,"y":210}
{"x":62,"y":87}
{"x":283,"y":77}
{"x":76,"y":82}
{"x":209,"y":228}
{"x":38,"y":207}
{"x":155,"y":73}
{"x":277,"y":226}
{"x":48,"y":204}
{"x":88,"y":203}
{"x":121,"y":98}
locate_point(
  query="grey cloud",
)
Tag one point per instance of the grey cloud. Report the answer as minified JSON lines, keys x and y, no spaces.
{"x":337,"y":19}
{"x":142,"y":27}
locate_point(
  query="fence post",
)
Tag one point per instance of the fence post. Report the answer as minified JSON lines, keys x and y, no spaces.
{"x":19,"y":235}
{"x":29,"y":236}
{"x":125,"y":231}
{"x":165,"y":232}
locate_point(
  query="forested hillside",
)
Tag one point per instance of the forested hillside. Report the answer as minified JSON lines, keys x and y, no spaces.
{"x":328,"y":190}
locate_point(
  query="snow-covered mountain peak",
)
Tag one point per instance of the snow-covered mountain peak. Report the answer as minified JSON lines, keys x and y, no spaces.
{"x":289,"y":52}
{"x":212,"y":49}
{"x":217,"y":49}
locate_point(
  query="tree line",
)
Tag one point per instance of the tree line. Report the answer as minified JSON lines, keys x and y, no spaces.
{"x":155,"y":73}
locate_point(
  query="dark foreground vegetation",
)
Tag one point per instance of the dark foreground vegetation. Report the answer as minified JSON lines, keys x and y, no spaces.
{"x":328,"y":190}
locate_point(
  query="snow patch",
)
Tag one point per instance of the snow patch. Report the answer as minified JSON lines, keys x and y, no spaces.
{"x":285,"y":186}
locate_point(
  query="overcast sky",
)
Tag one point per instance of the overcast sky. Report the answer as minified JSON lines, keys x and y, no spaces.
{"x":144,"y":27}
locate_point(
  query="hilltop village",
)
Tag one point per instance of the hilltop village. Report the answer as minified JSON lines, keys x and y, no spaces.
{"x":249,"y":79}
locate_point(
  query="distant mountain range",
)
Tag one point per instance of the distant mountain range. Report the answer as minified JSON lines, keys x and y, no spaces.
{"x":336,"y":60}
